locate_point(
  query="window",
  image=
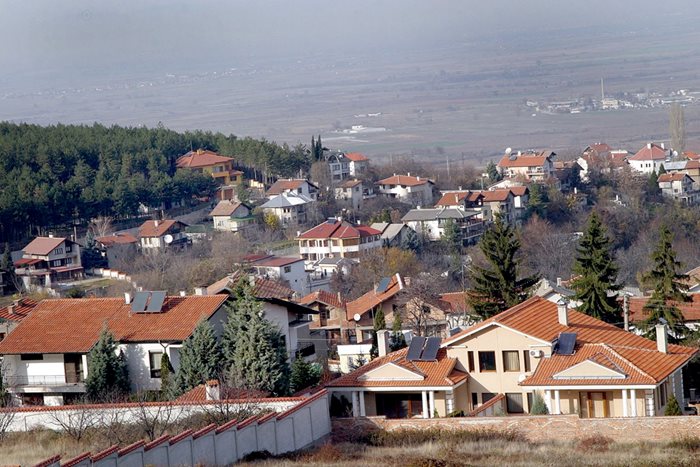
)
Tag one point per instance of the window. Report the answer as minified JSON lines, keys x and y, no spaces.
{"x":287,"y":269}
{"x":58,"y":251}
{"x":487,"y":361}
{"x":526,"y":360}
{"x":487,"y":396}
{"x":31,"y":356}
{"x":470,"y":359}
{"x":475,"y":399}
{"x":514,"y":402}
{"x":154,"y":362}
{"x":511,"y":362}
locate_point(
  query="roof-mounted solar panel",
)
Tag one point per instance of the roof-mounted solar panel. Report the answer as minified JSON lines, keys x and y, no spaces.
{"x":139,"y":303}
{"x":415,"y":349}
{"x":383,"y":284}
{"x":156,"y":303}
{"x":430,"y":351}
{"x":567,"y":342}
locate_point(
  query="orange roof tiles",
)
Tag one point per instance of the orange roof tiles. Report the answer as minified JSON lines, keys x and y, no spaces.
{"x":20,"y":311}
{"x":356,"y":156}
{"x":157,"y":228}
{"x":225,"y":208}
{"x":322,"y":296}
{"x":672,"y":177}
{"x":276,"y":261}
{"x":282,"y":185}
{"x":117,"y":239}
{"x":406,"y":180}
{"x":334,"y":228}
{"x":524,"y":160}
{"x":350,"y":183}
{"x":454,"y":302}
{"x":690,"y":310}
{"x":262,"y":289}
{"x":74,"y":325}
{"x":200,"y":158}
{"x":501,"y":194}
{"x":453,"y":198}
{"x":519,"y":190}
{"x":435,"y":373}
{"x":371,"y":299}
{"x":650,"y":152}
{"x":43,"y":245}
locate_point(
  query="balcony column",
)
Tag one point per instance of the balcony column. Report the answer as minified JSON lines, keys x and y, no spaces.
{"x":633,"y":402}
{"x":557,"y":403}
{"x":361,"y":396}
{"x":355,"y":404}
{"x":548,"y":399}
{"x":625,"y":403}
{"x":85,"y":366}
{"x":424,"y":395}
{"x":431,"y":403}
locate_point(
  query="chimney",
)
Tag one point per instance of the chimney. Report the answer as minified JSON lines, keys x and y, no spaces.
{"x":662,"y":338}
{"x":251,"y":280}
{"x":563,"y":311}
{"x":156,"y":222}
{"x":50,"y":234}
{"x":183,"y":293}
{"x":11,"y":309}
{"x":212,"y":391}
{"x":663,"y":145}
{"x":382,"y":342}
{"x":648,"y":145}
{"x":127,"y":297}
{"x":559,"y":281}
{"x":626,"y":311}
{"x":408,"y":173}
{"x":200,"y":291}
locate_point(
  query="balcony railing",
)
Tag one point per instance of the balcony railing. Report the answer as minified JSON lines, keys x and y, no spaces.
{"x":43,"y":380}
{"x":305,"y":349}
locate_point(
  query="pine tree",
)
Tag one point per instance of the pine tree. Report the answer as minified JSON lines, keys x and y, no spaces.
{"x":451,"y":237}
{"x":302,"y":375}
{"x":7,"y":267}
{"x":672,"y":407}
{"x":492,"y":171}
{"x":166,"y":382}
{"x":538,"y":405}
{"x":596,"y":274}
{"x":200,"y":358}
{"x":255,"y":352}
{"x":411,"y":241}
{"x":398,"y":340}
{"x":379,"y":321}
{"x":536,"y":203}
{"x":669,"y":288}
{"x":497,"y":287}
{"x":107,"y":371}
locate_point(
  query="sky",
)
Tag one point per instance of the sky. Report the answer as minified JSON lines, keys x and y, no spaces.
{"x":67,"y":38}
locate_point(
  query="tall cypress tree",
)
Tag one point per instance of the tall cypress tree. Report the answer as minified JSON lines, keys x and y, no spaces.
{"x":108,"y":375}
{"x":398,"y":341}
{"x":451,"y":237}
{"x":497,"y":287}
{"x":200,"y":358}
{"x":596,"y":274}
{"x":7,"y":267}
{"x":166,"y":381}
{"x":668,"y":288}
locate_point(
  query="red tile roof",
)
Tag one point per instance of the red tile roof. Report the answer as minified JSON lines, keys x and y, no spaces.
{"x":282,"y":185}
{"x":225,"y":208}
{"x":43,"y":245}
{"x":74,"y":325}
{"x":263,"y":288}
{"x":435,"y":373}
{"x":406,"y":180}
{"x":538,"y":318}
{"x":334,"y":228}
{"x":371,"y":299}
{"x":276,"y":261}
{"x":350,"y":183}
{"x":500,"y":194}
{"x":524,"y":160}
{"x":20,"y":311}
{"x":117,"y":239}
{"x":519,"y":190}
{"x":672,"y":177}
{"x":27,"y":261}
{"x":650,"y":152}
{"x":453,"y":198}
{"x":200,"y":158}
{"x":454,"y":302}
{"x":693,"y":156}
{"x":322,"y":296}
{"x":356,"y":156}
{"x":690,"y":310}
{"x":150,"y":229}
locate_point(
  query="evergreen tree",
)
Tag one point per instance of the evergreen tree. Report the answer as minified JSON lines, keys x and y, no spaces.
{"x":497,"y":286}
{"x":200,"y":358}
{"x":669,"y":288}
{"x":537,"y":200}
{"x":379,"y":324}
{"x":166,"y":382}
{"x":653,"y":189}
{"x":255,"y":352}
{"x":411,"y":241}
{"x":493,"y":173}
{"x":596,"y":274}
{"x":107,"y":371}
{"x":4,"y":396}
{"x":398,"y":340}
{"x":538,"y":405}
{"x":91,"y":256}
{"x":302,"y":375}
{"x":662,"y":170}
{"x":7,"y":267}
{"x":672,"y":407}
{"x":451,"y":237}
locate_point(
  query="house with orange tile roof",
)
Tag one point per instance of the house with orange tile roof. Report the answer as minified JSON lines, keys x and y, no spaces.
{"x":650,"y":158}
{"x":679,"y":186}
{"x":232,"y":216}
{"x":358,"y":163}
{"x":601,"y":157}
{"x":336,"y":238}
{"x":528,"y":165}
{"x":49,"y":260}
{"x":209,"y":162}
{"x":117,"y":248}
{"x":287,"y":269}
{"x":297,"y":186}
{"x":414,"y":190}
{"x":579,"y":364}
{"x":429,"y":223}
{"x":160,"y":234}
{"x":331,"y":318}
{"x":14,"y":313}
{"x":690,"y":310}
{"x":353,"y":191}
{"x":510,"y":203}
{"x":45,"y":356}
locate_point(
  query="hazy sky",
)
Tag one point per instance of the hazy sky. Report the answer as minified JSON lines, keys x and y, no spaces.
{"x":40,"y":36}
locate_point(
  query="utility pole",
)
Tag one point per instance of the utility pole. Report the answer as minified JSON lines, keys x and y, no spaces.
{"x":448,"y":169}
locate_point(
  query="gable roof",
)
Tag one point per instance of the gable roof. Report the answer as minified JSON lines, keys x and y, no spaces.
{"x":440,"y":372}
{"x":21,"y":310}
{"x":498,"y":194}
{"x":226,"y":208}
{"x":286,"y":200}
{"x":322,"y":296}
{"x":453,"y":198}
{"x":525,"y":159}
{"x":74,"y":325}
{"x":690,"y":310}
{"x":200,"y":158}
{"x":538,"y":318}
{"x":276,"y":261}
{"x":406,"y":180}
{"x":282,"y":185}
{"x":43,"y":245}
{"x":519,"y":190}
{"x":650,"y":152}
{"x":356,"y":156}
{"x":158,"y":228}
{"x":350,"y":183}
{"x":262,"y":288}
{"x":429,"y":214}
{"x":673,"y":177}
{"x":334,"y":228}
{"x":454,"y":302}
{"x":371,"y":299}
{"x":121,"y":238}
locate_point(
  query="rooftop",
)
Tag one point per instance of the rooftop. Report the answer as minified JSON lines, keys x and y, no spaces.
{"x":157,"y":228}
{"x":226,"y":208}
{"x":650,"y":152}
{"x":200,"y":158}
{"x":117,"y":239}
{"x":373,"y":298}
{"x":286,"y":200}
{"x":356,"y":156}
{"x":336,"y":228}
{"x":43,"y":245}
{"x":525,"y":159}
{"x":282,"y":185}
{"x":405,"y":180}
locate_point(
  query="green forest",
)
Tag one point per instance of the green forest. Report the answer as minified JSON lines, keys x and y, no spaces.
{"x":63,"y":174}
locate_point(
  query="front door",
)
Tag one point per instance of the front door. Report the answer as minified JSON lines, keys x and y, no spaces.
{"x":73,"y":367}
{"x":597,"y":405}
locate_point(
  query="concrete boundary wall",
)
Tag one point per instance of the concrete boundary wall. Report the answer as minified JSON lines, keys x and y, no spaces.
{"x":296,"y":428}
{"x":542,"y":427}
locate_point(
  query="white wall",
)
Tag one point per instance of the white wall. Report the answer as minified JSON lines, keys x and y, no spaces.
{"x":34,"y":370}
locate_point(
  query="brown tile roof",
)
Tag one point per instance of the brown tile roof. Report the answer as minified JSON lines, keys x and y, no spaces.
{"x":690,"y":310}
{"x":406,"y":180}
{"x":276,"y":261}
{"x":538,"y":318}
{"x":350,"y":183}
{"x":282,"y":185}
{"x":672,"y":177}
{"x":20,"y":311}
{"x":693,"y":156}
{"x":200,"y":158}
{"x":322,"y":296}
{"x":117,"y":239}
{"x":263,"y":288}
{"x":43,"y":245}
{"x":650,"y":152}
{"x":199,"y":394}
{"x":150,"y":229}
{"x":454,"y":198}
{"x":500,"y":194}
{"x":225,"y":208}
{"x":519,"y":190}
{"x":524,"y":160}
{"x":371,"y":299}
{"x":74,"y":325}
{"x":454,"y":302}
{"x":334,"y":228}
{"x":436,"y":373}
{"x":356,"y":156}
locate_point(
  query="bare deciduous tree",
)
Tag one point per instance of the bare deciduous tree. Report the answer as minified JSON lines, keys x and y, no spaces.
{"x":152,"y":420}
{"x":76,"y":421}
{"x":101,"y":226}
{"x":677,"y":128}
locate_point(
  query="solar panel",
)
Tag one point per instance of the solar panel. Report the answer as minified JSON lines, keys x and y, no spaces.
{"x":383,"y":284}
{"x":139,"y":303}
{"x":567,"y":342}
{"x":454,"y":331}
{"x":156,"y":303}
{"x":415,"y":349}
{"x":431,"y":349}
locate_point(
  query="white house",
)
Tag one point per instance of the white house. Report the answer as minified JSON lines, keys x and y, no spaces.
{"x":290,"y":208}
{"x":289,"y":270}
{"x":409,"y":189}
{"x":299,"y":186}
{"x":650,"y":158}
{"x":231,"y":216}
{"x":679,"y":186}
{"x":45,"y":356}
{"x":529,"y":165}
{"x":159,"y":234}
{"x":358,"y":163}
{"x":430,"y":223}
{"x":49,"y":259}
{"x":351,"y":190}
{"x":337,"y":238}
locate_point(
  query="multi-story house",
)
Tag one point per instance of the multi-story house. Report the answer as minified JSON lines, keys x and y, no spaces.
{"x":407,"y":188}
{"x":297,"y":186}
{"x":358,"y":163}
{"x":528,"y":165}
{"x":578,"y":364}
{"x":46,"y":355}
{"x":46,"y":260}
{"x":430,"y":223}
{"x":338,"y":165}
{"x":286,"y":269}
{"x":337,"y":238}
{"x":352,"y":191}
{"x":160,"y":234}
{"x":231,"y":216}
{"x":679,"y":186}
{"x":118,"y":248}
{"x":650,"y":158}
{"x":488,"y":203}
{"x":218,"y":166}
{"x":289,"y":207}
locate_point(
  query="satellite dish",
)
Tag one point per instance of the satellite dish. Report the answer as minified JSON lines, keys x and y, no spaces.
{"x":168,"y":239}
{"x":509,"y":150}
{"x":357,"y":317}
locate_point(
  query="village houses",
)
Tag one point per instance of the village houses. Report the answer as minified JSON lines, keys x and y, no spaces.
{"x":49,"y":260}
{"x":161,"y":234}
{"x":650,"y":158}
{"x":231,"y":216}
{"x":417,"y":191}
{"x":219,"y":167}
{"x":528,"y":165}
{"x":337,"y":238}
{"x":289,"y":207}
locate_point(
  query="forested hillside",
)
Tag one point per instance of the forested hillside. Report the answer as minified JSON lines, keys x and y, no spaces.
{"x":58,"y":174}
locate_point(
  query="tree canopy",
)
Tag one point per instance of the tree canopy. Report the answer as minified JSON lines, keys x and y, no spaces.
{"x":108,"y":377}
{"x":200,"y":358}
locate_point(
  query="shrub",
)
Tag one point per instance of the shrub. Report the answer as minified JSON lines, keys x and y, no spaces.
{"x":412,"y":437}
{"x":672,"y":407}
{"x":687,"y":443}
{"x":326,"y":454}
{"x":595,"y":443}
{"x":538,"y":405}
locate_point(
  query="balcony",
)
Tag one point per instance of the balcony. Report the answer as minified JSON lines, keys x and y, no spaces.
{"x":46,"y":383}
{"x":305,"y":349}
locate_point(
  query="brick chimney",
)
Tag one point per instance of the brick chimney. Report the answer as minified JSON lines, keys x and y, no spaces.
{"x":563,"y":311}
{"x":662,"y":338}
{"x":212,"y":391}
{"x":127,"y":297}
{"x":382,"y":342}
